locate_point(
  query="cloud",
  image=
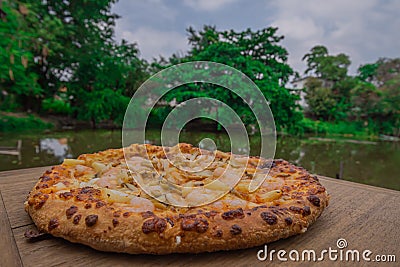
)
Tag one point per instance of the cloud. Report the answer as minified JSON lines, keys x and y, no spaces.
{"x":153,"y":43}
{"x":207,"y":5}
{"x":365,"y":30}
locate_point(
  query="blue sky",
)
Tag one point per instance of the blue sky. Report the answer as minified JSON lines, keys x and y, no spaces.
{"x":364,"y":29}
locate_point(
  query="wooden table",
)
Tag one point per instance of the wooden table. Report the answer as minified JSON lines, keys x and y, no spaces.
{"x":367,"y":217}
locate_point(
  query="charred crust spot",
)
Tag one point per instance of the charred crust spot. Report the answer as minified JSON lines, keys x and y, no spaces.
{"x":115,"y":222}
{"x":202,"y":225}
{"x":269,"y":217}
{"x":288,"y":221}
{"x":100,"y":204}
{"x":91,"y":220}
{"x":286,"y":188}
{"x":42,"y":200}
{"x":321,"y":189}
{"x":117,"y":214}
{"x":71,"y":211}
{"x":53,"y":223}
{"x":297,"y":195}
{"x":89,"y":190}
{"x":267,"y":165}
{"x":233,"y":214}
{"x":35,"y":235}
{"x":209,"y":214}
{"x":296,"y":209}
{"x":76,"y":219}
{"x":46,"y":178}
{"x":126,"y":214}
{"x":278,"y":161}
{"x":314,"y":200}
{"x":236,"y":229}
{"x":278,"y":210}
{"x":88,"y":206}
{"x":169,"y":220}
{"x":147,"y":214}
{"x":306,"y":210}
{"x":219,"y":233}
{"x":199,"y":225}
{"x":66,"y":195}
{"x":303,"y":211}
{"x":87,"y":193}
{"x":80,"y":198}
{"x":42,"y":186}
{"x":154,"y":224}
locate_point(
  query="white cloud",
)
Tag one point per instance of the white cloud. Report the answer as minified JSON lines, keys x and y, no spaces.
{"x":207,"y":5}
{"x":154,"y":42}
{"x":365,"y":30}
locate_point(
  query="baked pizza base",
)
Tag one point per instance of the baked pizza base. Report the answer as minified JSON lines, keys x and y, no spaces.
{"x":65,"y":204}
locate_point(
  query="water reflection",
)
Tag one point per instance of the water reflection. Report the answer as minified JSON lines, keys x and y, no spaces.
{"x":370,"y":163}
{"x":56,"y":147}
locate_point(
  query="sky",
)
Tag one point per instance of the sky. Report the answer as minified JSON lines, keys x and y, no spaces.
{"x":366,"y":30}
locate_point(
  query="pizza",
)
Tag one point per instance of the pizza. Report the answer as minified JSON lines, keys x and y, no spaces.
{"x":120,"y":200}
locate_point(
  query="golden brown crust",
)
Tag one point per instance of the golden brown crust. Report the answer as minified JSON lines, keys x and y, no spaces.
{"x":60,"y":207}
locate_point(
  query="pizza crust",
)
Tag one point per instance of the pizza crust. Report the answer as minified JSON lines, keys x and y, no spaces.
{"x":84,"y":215}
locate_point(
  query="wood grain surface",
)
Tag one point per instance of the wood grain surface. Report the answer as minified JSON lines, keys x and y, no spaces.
{"x":366,"y":217}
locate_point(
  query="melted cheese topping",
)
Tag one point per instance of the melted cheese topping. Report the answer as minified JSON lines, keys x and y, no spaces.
{"x":182,"y":174}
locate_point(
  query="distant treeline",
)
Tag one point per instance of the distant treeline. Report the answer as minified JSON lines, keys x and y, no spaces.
{"x":61,"y":57}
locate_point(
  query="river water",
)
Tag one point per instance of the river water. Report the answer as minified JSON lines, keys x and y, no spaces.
{"x":374,"y":163}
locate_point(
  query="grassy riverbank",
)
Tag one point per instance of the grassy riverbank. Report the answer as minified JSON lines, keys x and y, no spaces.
{"x":22,"y":122}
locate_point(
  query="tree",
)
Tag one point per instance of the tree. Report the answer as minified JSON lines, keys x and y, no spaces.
{"x":366,"y":101}
{"x":257,"y":54}
{"x":385,"y":75}
{"x":328,"y":93}
{"x":321,"y":100}
{"x":68,"y":45}
{"x":18,"y":79}
{"x":325,"y":66}
{"x":86,"y":59}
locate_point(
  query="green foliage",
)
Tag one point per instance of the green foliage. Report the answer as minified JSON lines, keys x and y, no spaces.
{"x":367,"y":72}
{"x":366,"y":100}
{"x":325,"y":66}
{"x":56,"y":106}
{"x":73,"y":47}
{"x":383,"y":93}
{"x":356,"y":128}
{"x":328,"y":94}
{"x":257,"y":54}
{"x":60,"y":57}
{"x":102,"y":105}
{"x":16,"y":75}
{"x":12,"y":124}
{"x":320,"y":100}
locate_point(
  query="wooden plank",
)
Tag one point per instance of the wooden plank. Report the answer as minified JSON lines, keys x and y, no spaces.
{"x":10,"y":177}
{"x":15,"y":187}
{"x":367,"y":217}
{"x":14,"y":198}
{"x":8,"y":249}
